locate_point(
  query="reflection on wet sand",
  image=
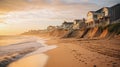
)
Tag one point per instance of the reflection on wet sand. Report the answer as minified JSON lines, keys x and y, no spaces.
{"x":38,"y":60}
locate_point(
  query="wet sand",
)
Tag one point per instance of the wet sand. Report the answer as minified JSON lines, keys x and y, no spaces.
{"x":38,"y":60}
{"x":29,"y":49}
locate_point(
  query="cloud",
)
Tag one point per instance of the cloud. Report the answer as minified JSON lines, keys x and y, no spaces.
{"x":24,"y":4}
{"x":51,"y":9}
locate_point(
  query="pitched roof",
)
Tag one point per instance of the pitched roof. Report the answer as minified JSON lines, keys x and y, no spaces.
{"x":67,"y":22}
{"x":98,"y":11}
{"x":116,"y":5}
{"x":92,"y":11}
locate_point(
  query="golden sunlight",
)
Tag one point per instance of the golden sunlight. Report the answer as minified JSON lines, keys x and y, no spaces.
{"x":59,"y":33}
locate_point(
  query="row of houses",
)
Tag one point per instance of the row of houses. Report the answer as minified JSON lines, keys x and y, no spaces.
{"x":76,"y":24}
{"x":101,"y":17}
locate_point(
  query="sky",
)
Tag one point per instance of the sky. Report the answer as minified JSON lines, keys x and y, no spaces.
{"x":17,"y":16}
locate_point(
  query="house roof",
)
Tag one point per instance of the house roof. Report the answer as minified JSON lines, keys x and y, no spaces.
{"x":67,"y":22}
{"x":78,"y":20}
{"x":92,"y":11}
{"x":116,"y":5}
{"x":98,"y":11}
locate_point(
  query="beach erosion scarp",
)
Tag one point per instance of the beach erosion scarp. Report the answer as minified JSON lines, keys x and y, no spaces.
{"x":27,"y":47}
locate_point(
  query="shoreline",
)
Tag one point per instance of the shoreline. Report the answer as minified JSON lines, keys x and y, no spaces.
{"x":22,"y":50}
{"x":14,"y":57}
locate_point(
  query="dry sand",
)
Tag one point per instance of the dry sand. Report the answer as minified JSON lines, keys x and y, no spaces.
{"x":84,"y":53}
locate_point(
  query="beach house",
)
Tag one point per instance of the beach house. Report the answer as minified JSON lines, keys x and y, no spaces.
{"x":67,"y":25}
{"x":91,"y":18}
{"x":98,"y":18}
{"x":103,"y":16}
{"x":78,"y":23}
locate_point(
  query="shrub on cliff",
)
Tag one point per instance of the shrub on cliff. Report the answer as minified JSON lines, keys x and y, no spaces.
{"x":114,"y":28}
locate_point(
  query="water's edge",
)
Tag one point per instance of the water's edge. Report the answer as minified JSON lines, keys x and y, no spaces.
{"x":15,"y":56}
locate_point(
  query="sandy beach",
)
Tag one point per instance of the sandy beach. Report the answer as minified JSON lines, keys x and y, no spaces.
{"x":57,"y":52}
{"x":84,"y":53}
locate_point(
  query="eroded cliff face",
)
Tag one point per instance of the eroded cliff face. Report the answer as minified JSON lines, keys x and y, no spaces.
{"x":96,"y":32}
{"x":100,"y":32}
{"x":104,"y":33}
{"x":58,"y":33}
{"x":93,"y":32}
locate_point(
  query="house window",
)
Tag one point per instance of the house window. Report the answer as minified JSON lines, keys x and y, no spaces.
{"x":95,"y":16}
